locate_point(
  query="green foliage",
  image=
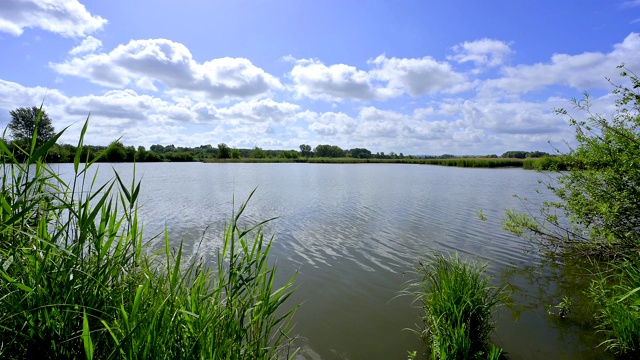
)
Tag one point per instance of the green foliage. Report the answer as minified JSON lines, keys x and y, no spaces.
{"x":331,"y":151}
{"x":257,"y":153}
{"x":617,"y":297}
{"x":597,"y":213}
{"x":27,"y":123}
{"x":305,"y":150}
{"x":360,"y":153}
{"x":600,"y":196}
{"x":458,"y":302}
{"x":224,"y":152}
{"x":115,"y":153}
{"x":546,"y":163}
{"x":76,"y":280}
{"x":520,"y":154}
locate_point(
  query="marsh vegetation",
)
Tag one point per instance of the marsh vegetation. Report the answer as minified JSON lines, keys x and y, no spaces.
{"x":77,"y":279}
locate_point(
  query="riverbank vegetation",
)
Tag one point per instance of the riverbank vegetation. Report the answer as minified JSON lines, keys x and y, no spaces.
{"x":77,"y":280}
{"x":596,"y":217}
{"x":23,"y":124}
{"x":458,"y":303}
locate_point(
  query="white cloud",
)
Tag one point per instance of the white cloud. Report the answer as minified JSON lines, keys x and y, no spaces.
{"x":65,"y":17}
{"x":484,"y":52}
{"x":331,"y":124}
{"x":89,"y":44}
{"x":260,"y":111}
{"x":583,"y":71}
{"x":390,"y":78}
{"x":315,"y":80}
{"x":148,"y":62}
{"x":416,"y":76}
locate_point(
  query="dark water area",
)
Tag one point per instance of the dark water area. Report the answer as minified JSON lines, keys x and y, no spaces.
{"x":353,"y":233}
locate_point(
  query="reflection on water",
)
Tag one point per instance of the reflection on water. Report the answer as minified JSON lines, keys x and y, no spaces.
{"x":352,"y":232}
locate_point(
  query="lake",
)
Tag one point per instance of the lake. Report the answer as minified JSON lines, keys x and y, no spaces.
{"x":353,"y":233}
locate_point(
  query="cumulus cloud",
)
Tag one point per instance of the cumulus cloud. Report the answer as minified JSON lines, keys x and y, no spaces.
{"x":415,"y":76}
{"x":389,"y":78}
{"x":260,"y":111}
{"x":65,"y":17}
{"x":582,"y":71}
{"x":316,"y":80}
{"x":148,"y":63}
{"x":89,"y":44}
{"x":483,"y":52}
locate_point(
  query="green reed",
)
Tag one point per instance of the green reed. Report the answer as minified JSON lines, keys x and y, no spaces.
{"x":76,"y":279}
{"x":458,"y":303}
{"x":617,"y":297}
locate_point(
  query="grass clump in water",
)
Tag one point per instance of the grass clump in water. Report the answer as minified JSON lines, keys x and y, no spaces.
{"x":617,"y":299}
{"x":76,"y":280}
{"x":458,"y":303}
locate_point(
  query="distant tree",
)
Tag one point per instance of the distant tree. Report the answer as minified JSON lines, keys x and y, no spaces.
{"x":152,"y":156}
{"x":537,"y":154}
{"x":235,"y":153}
{"x":360,"y":153}
{"x":515,"y":154}
{"x":257,"y":153}
{"x":141,"y":154}
{"x":115,"y":153}
{"x":305,"y":150}
{"x":224,"y":152}
{"x":328,"y":151}
{"x":23,"y":125}
{"x":131,"y":153}
{"x":157,"y":148}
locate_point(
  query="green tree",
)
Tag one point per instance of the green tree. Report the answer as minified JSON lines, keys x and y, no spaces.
{"x":597,"y":215}
{"x":600,"y":196}
{"x":328,"y":151}
{"x":257,"y":153}
{"x":224,"y":152}
{"x":305,"y":150}
{"x":24,"y":123}
{"x":360,"y":153}
{"x":115,"y":153}
{"x":515,"y":154}
{"x":141,"y":154}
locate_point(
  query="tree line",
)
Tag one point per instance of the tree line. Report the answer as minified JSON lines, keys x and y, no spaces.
{"x":25,"y":121}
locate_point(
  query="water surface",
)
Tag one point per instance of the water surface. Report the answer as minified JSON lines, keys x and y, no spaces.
{"x":353,"y":233}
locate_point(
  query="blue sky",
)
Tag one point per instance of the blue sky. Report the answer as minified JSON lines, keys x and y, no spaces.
{"x":412,"y":77}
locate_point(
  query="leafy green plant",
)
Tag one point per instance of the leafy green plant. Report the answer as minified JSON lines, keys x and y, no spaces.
{"x":618,"y":307}
{"x":563,"y":308}
{"x":458,"y":303}
{"x":600,"y":194}
{"x":76,"y":279}
{"x":596,"y":216}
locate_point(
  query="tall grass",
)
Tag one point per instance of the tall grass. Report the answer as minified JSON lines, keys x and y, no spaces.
{"x":617,"y":298}
{"x":77,"y":281}
{"x":458,"y":303}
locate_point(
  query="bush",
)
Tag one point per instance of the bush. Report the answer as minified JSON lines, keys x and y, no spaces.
{"x":596,"y":216}
{"x":600,"y":194}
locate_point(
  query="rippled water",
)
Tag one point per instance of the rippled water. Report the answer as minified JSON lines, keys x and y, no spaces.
{"x":352,"y":232}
